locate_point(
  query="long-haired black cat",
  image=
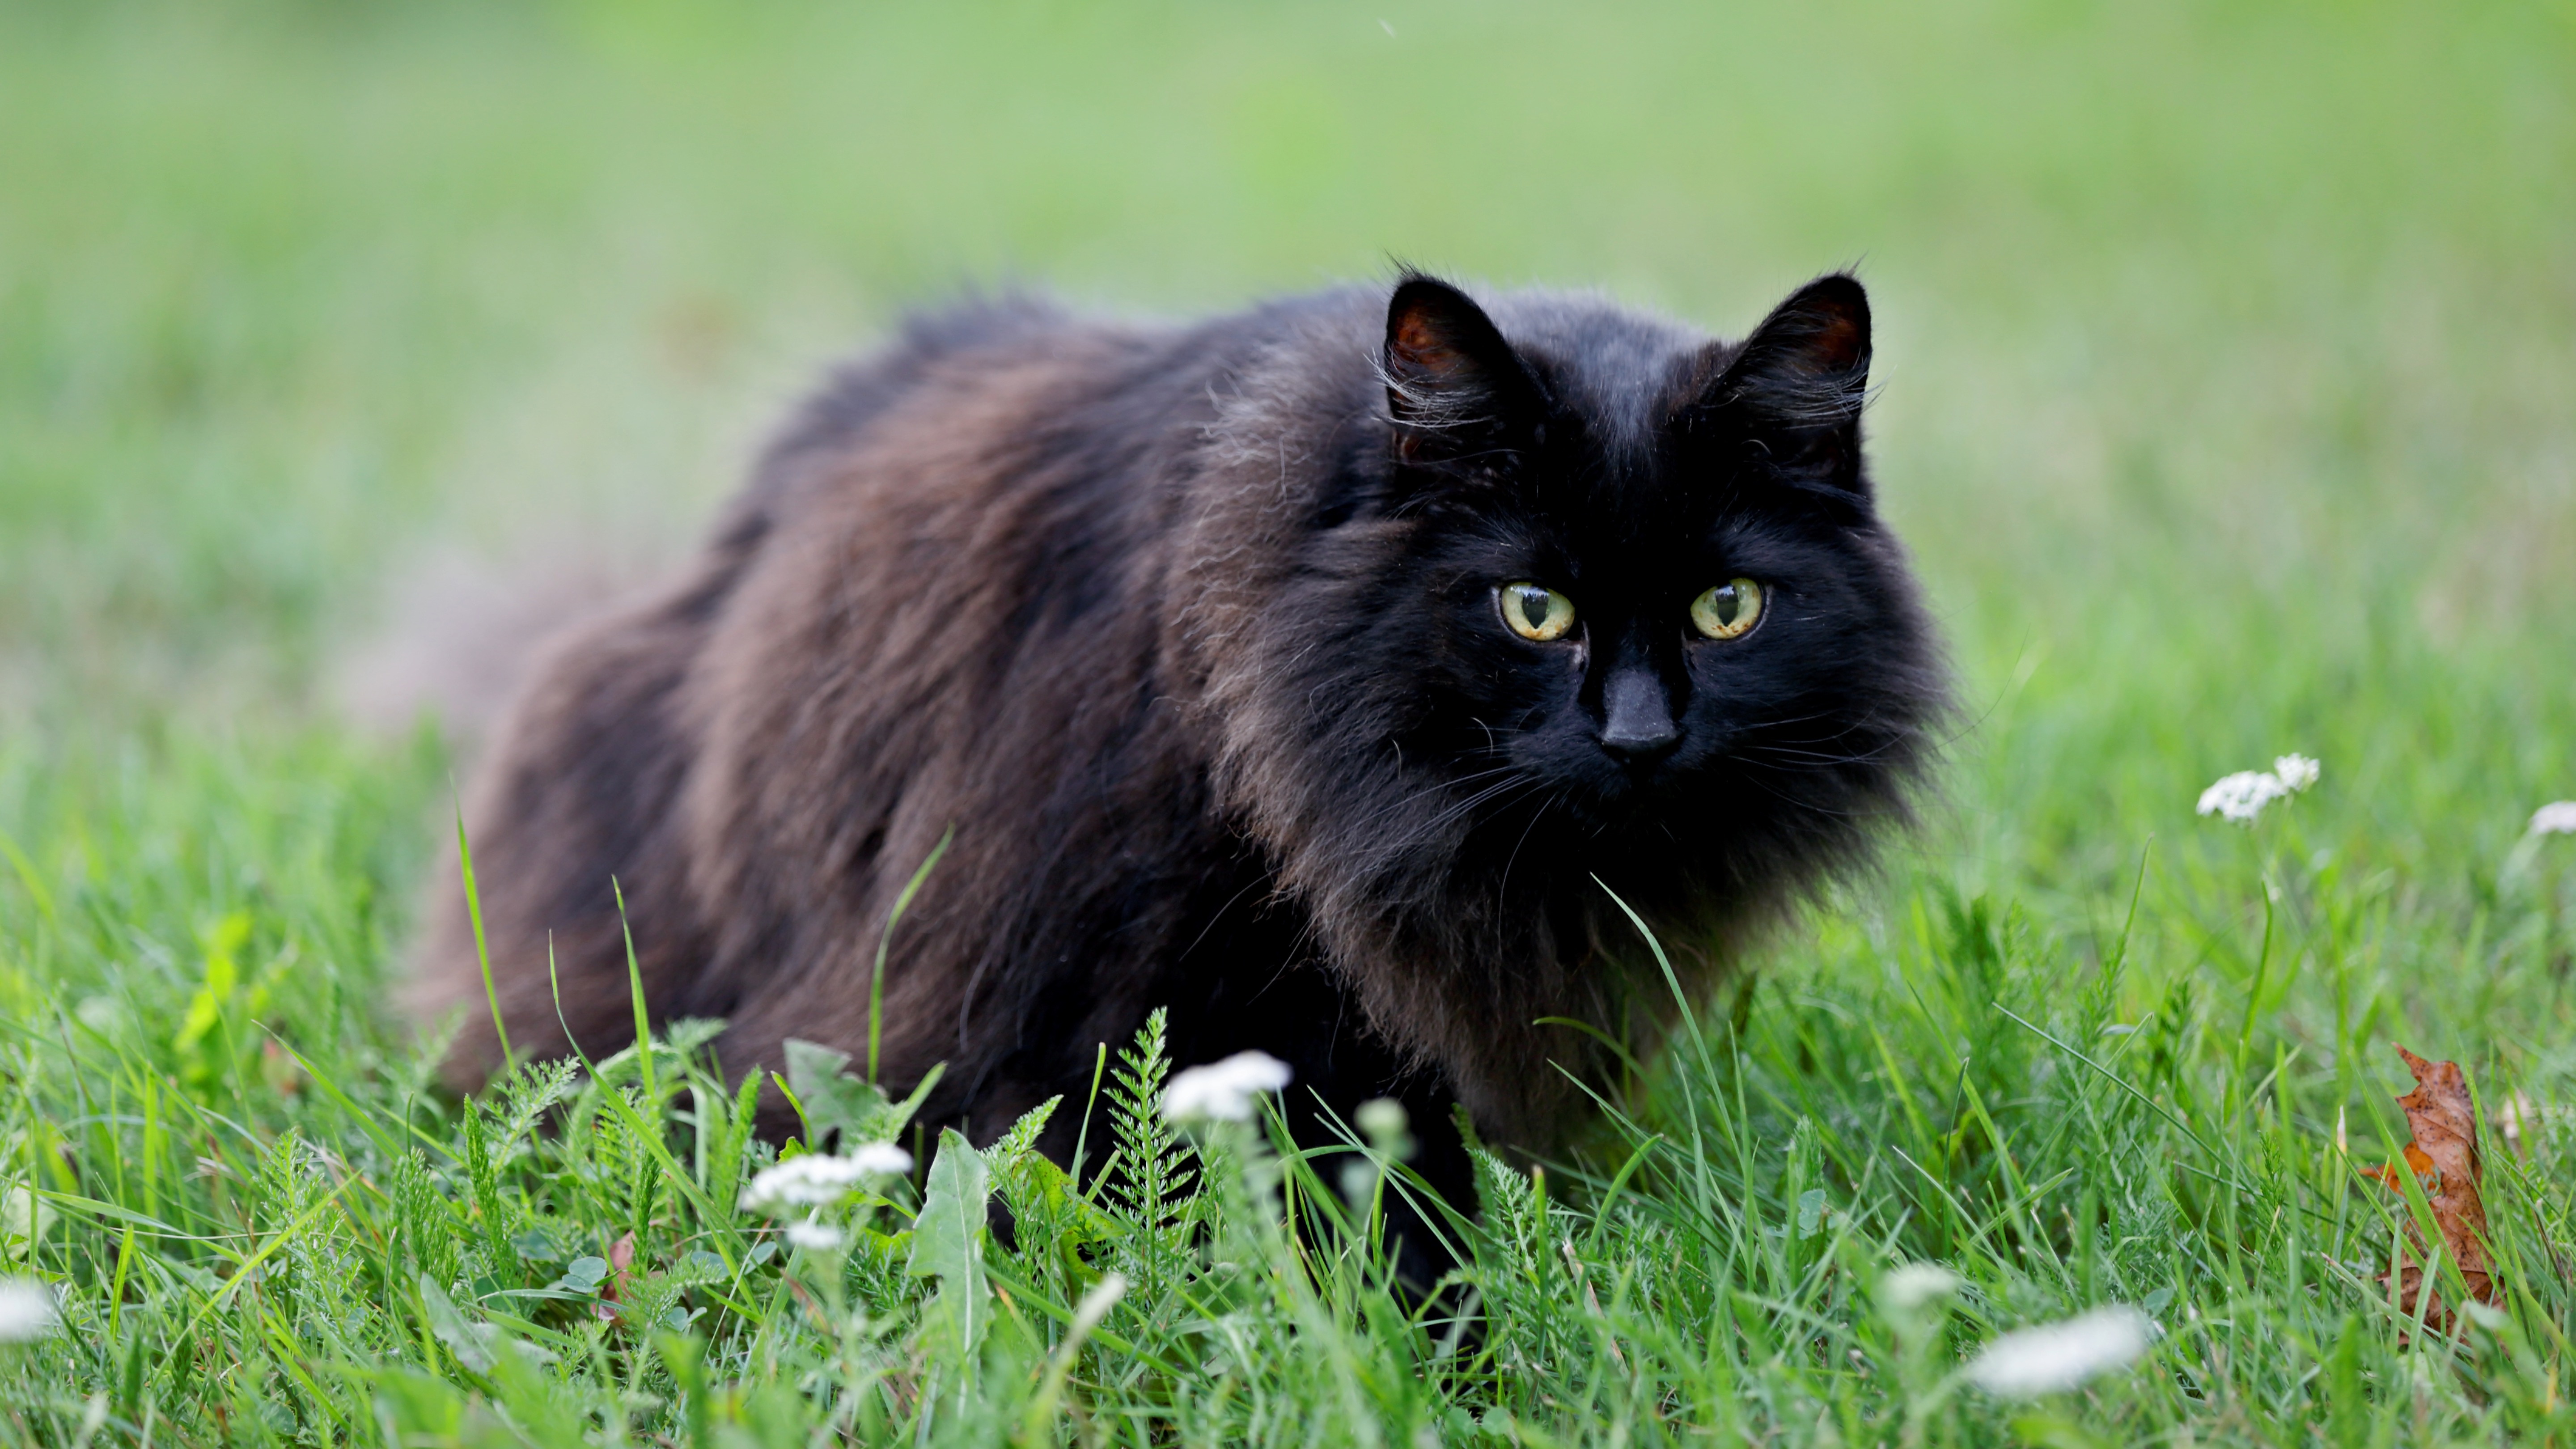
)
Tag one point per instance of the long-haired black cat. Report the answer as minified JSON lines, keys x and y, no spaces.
{"x":1310,"y":671}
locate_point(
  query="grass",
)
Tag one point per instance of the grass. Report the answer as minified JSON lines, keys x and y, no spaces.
{"x":2224,"y":357}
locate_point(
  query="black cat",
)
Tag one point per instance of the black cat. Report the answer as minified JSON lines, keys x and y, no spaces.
{"x":1311,"y":671}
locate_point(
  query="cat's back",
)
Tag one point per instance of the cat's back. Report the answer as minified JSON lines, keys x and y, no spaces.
{"x":1021,"y":393}
{"x":1006,"y":482}
{"x":937,"y":602}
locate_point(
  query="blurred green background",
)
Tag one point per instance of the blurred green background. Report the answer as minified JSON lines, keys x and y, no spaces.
{"x":2227,"y":351}
{"x":2227,"y":369}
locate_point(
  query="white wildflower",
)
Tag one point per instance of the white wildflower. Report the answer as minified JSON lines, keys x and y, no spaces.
{"x":2241,"y":796}
{"x":27,"y":1310}
{"x":1912,"y":1285}
{"x":1223,"y":1091}
{"x":816,"y":1234}
{"x":880,"y":1159}
{"x":2296,"y":772}
{"x":2558,"y":817}
{"x":814,"y":1179}
{"x":2055,"y":1357}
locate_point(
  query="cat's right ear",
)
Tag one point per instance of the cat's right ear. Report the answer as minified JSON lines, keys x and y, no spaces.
{"x":1460,"y":398}
{"x":1795,"y":389}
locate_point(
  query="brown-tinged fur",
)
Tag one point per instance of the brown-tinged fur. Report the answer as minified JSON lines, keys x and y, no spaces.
{"x":1187,"y":636}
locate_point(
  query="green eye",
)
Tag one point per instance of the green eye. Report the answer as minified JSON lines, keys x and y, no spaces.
{"x":1536,"y":611}
{"x":1729,"y":610}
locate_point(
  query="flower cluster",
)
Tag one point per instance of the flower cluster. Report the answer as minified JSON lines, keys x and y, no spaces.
{"x":815,"y":1180}
{"x":2241,"y":796}
{"x":815,"y":1233}
{"x":1223,"y":1091}
{"x":2558,"y":817}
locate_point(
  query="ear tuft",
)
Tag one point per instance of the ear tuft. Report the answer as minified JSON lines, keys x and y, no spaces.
{"x":1797,"y":384}
{"x":1809,"y":358}
{"x":1827,"y":321}
{"x":1456,"y":391}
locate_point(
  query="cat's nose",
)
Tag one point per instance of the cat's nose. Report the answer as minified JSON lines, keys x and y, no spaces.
{"x":1637,"y":725}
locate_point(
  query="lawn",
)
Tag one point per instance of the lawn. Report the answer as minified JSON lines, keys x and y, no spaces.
{"x":2225,"y":358}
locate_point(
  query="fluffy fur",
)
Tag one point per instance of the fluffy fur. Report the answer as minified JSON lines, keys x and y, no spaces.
{"x":1190,"y":637}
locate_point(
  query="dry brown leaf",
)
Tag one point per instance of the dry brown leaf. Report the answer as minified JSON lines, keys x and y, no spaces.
{"x":2444,"y":1159}
{"x":621,"y":1262}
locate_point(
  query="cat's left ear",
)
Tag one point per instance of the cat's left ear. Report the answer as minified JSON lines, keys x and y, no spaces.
{"x":1794,"y":389}
{"x":1461,"y":400}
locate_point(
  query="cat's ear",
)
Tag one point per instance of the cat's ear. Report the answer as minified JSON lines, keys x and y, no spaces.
{"x":1794,"y":389}
{"x":1460,"y":398}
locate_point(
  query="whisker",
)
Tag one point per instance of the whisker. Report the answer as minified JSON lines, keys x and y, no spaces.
{"x":1554,"y":797}
{"x":1478,"y":798}
{"x":1434,"y":788}
{"x":1816,"y":759}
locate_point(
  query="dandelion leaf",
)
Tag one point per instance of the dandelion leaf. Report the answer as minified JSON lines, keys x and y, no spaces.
{"x":2443,"y":1159}
{"x":835,"y":1100}
{"x":947,"y":1235}
{"x":948,"y":1244}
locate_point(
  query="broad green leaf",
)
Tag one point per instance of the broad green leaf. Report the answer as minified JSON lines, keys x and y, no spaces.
{"x":584,"y":1274}
{"x":948,"y":1244}
{"x":835,"y":1100}
{"x":948,"y":1233}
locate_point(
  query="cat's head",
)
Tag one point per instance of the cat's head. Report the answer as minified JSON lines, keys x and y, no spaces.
{"x":1577,"y":593}
{"x":1624,"y":577}
{"x":1654,"y":580}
